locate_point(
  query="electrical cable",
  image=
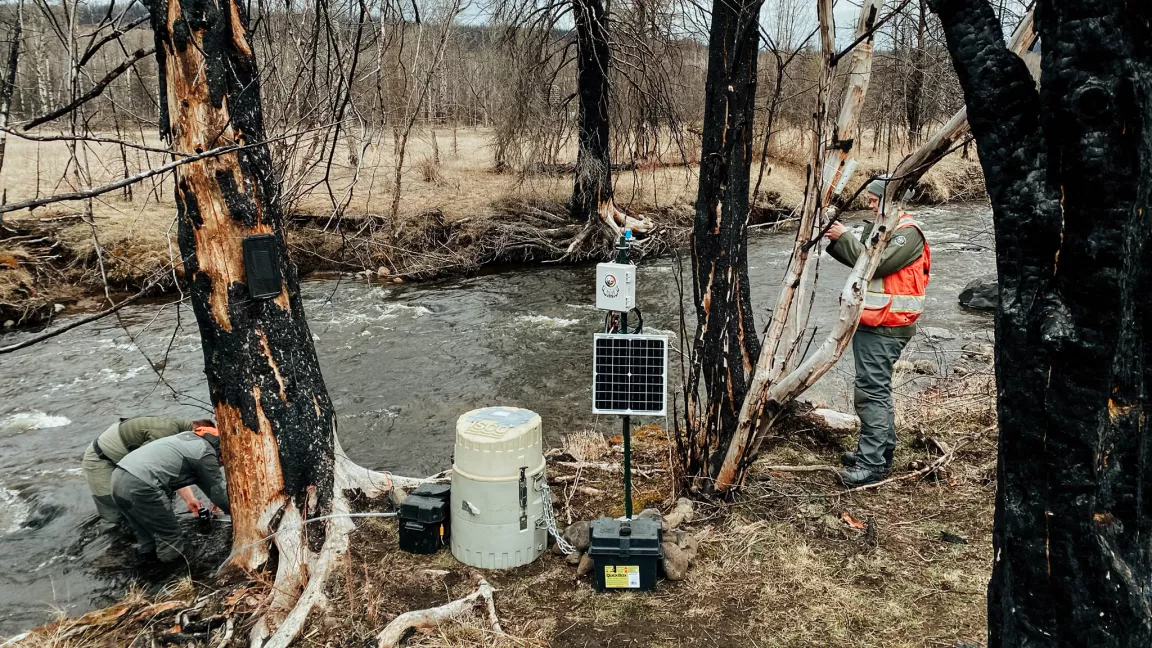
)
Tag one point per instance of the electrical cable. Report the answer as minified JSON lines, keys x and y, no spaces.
{"x":333,"y":516}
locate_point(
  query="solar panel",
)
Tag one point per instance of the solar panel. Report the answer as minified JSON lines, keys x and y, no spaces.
{"x":630,"y":375}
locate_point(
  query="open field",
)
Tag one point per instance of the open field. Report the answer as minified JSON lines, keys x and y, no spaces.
{"x":452,"y":216}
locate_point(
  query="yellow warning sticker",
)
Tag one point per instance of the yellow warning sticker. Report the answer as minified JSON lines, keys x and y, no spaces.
{"x":622,"y":576}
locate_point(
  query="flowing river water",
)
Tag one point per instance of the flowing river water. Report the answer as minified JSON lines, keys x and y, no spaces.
{"x":401,"y":364}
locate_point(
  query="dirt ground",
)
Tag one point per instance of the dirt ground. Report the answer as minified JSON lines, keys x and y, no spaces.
{"x":454,"y":216}
{"x":794,"y":562}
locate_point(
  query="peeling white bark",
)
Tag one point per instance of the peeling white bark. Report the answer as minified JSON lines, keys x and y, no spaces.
{"x":769,"y":391}
{"x":401,"y":626}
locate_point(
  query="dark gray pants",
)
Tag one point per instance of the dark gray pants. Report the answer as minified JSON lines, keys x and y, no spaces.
{"x":149,"y":512}
{"x":875,"y":355}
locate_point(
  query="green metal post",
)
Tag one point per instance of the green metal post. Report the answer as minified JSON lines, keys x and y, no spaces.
{"x":622,"y":257}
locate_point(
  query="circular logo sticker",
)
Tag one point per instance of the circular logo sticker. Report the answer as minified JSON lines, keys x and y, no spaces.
{"x":900,"y":240}
{"x":610,"y":280}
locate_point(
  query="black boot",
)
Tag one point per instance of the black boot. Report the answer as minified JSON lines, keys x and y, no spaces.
{"x":854,"y":477}
{"x":849,"y":459}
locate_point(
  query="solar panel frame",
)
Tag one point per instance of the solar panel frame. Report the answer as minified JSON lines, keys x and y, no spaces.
{"x":627,"y":371}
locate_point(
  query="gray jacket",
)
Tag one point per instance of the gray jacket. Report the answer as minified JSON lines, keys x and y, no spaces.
{"x":181,"y":460}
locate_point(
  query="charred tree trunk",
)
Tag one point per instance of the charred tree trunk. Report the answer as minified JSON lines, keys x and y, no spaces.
{"x":592,"y":188}
{"x":726,"y":345}
{"x":8,"y":82}
{"x":1069,"y":171}
{"x":276,"y":420}
{"x":914,"y":101}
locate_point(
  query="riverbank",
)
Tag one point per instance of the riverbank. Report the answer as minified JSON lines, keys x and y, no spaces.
{"x":456,"y":215}
{"x":796,"y":561}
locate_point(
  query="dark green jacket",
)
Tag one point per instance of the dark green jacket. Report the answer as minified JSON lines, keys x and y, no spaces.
{"x":178,"y":461}
{"x":906,"y":246}
{"x":117,"y":442}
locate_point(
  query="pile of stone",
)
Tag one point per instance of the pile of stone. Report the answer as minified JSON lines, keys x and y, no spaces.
{"x":679,"y":546}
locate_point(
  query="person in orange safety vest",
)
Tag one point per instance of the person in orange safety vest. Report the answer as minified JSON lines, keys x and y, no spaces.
{"x":892,"y":304}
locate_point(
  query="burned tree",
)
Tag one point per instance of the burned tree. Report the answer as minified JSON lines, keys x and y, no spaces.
{"x":1069,"y":171}
{"x":592,"y":188}
{"x":277,"y":423}
{"x":8,"y":81}
{"x":726,"y":345}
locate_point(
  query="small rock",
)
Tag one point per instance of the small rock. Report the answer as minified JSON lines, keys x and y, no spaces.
{"x":838,"y":420}
{"x":435,"y":573}
{"x":397,"y":280}
{"x":982,"y":293}
{"x":952,"y":538}
{"x":9,"y":323}
{"x":687,"y":543}
{"x":579,"y":535}
{"x":681,"y":514}
{"x":586,"y":565}
{"x":978,"y":350}
{"x":650,"y":514}
{"x":574,"y":558}
{"x":383,"y":271}
{"x":925,"y":367}
{"x":59,"y":308}
{"x":675,"y":562}
{"x":936,"y":333}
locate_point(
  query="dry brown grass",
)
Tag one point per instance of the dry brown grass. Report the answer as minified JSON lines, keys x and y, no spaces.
{"x":777,"y":568}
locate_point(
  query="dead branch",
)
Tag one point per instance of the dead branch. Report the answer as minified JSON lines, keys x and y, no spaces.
{"x":120,"y":184}
{"x":47,"y":335}
{"x":94,"y":91}
{"x":401,"y":626}
{"x":803,"y":469}
{"x":931,"y":468}
{"x":89,"y":138}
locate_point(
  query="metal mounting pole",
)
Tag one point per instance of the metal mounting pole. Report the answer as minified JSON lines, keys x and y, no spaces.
{"x":622,"y":257}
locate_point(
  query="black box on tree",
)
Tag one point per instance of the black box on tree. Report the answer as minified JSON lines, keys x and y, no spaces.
{"x":625,"y":554}
{"x":424,"y":524}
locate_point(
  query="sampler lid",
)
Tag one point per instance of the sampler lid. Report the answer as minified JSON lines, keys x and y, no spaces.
{"x":496,"y":442}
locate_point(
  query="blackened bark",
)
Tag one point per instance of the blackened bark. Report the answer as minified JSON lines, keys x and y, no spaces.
{"x":8,"y":82}
{"x":275,"y":417}
{"x":726,"y":345}
{"x":592,"y":188}
{"x":914,"y":99}
{"x":1069,"y":172}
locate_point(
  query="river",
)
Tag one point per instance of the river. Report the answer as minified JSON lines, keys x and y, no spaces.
{"x":401,"y":363}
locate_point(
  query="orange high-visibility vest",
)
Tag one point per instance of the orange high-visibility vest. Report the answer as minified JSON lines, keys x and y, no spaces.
{"x":898,"y":299}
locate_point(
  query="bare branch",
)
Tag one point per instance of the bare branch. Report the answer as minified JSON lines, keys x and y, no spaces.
{"x":95,"y":91}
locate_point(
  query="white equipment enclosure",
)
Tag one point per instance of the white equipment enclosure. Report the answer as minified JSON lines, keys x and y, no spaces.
{"x":497,"y":479}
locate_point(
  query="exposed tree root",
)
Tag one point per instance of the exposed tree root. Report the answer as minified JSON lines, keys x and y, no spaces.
{"x":301,"y":578}
{"x":401,"y":626}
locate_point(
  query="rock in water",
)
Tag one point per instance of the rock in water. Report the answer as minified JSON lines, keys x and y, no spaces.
{"x":579,"y":535}
{"x":936,"y":333}
{"x":838,"y":420}
{"x":982,"y":293}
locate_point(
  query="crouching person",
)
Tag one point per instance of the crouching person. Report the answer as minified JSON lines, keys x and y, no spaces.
{"x":144,"y":481}
{"x":102,"y":455}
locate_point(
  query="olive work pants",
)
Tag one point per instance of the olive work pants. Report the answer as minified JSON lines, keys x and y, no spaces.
{"x":98,"y":473}
{"x":875,"y":356}
{"x":149,"y":512}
